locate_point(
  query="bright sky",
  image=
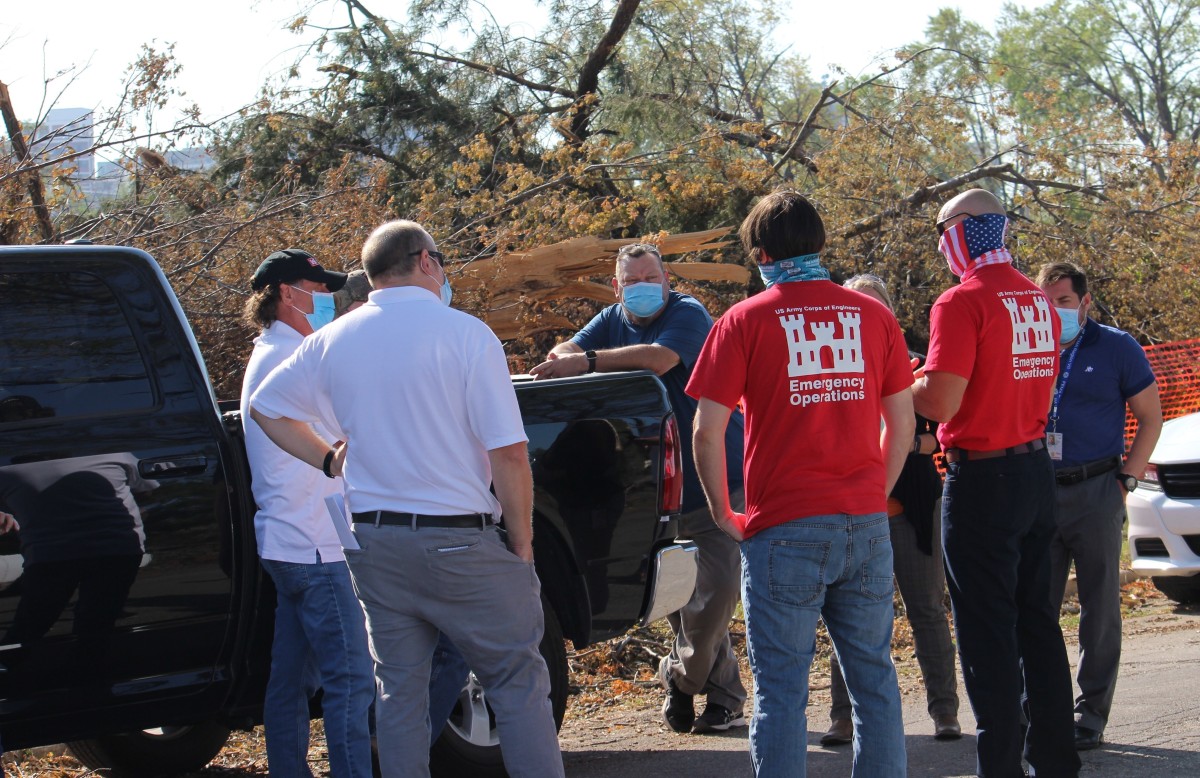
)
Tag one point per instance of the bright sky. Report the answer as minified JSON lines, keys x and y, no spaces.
{"x":229,"y":48}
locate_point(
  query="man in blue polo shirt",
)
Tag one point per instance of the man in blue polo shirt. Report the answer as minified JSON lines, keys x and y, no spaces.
{"x":654,"y":328}
{"x":1103,"y":370}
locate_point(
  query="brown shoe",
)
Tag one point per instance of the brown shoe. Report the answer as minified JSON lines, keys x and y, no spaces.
{"x":946,"y":727}
{"x":841,"y":732}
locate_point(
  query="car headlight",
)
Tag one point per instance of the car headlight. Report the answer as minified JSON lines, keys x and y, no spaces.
{"x":1150,"y":479}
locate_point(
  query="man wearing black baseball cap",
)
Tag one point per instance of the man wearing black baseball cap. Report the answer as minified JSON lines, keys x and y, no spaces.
{"x":320,"y":635}
{"x":289,"y":265}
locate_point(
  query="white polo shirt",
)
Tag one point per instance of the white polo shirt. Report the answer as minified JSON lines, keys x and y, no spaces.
{"x":420,"y":392}
{"x":292,"y":522}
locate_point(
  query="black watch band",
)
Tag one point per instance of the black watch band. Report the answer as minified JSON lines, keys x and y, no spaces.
{"x":1130,"y":482}
{"x":591,"y":358}
{"x":327,"y":465}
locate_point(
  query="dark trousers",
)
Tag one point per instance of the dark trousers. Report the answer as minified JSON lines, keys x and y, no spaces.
{"x":1091,"y":520}
{"x":997,"y":524}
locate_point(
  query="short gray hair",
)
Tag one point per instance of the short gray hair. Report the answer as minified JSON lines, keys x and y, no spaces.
{"x":392,"y":250}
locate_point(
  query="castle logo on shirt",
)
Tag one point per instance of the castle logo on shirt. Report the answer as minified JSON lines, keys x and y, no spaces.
{"x":824,"y":341}
{"x":1033,"y":344}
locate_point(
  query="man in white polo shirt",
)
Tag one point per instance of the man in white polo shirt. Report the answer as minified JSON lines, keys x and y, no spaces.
{"x":422,"y":396}
{"x":320,"y":637}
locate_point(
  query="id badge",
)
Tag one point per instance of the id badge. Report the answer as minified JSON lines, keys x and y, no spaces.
{"x":1054,"y":444}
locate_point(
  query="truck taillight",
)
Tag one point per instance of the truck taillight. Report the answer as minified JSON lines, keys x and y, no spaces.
{"x":671,"y":496}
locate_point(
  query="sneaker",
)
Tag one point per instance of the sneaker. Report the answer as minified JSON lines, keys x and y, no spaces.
{"x":678,"y":710}
{"x":718,"y":718}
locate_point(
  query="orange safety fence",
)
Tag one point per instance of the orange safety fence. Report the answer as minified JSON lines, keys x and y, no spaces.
{"x":1177,"y":369}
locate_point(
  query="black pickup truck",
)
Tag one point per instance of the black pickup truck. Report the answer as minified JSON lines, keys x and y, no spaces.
{"x":135,"y":621}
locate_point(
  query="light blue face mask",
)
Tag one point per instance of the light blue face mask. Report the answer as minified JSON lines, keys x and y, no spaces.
{"x":1070,"y":324}
{"x":643,"y":300}
{"x":323,"y":308}
{"x":444,"y":290}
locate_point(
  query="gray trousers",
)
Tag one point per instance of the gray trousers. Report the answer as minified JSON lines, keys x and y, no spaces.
{"x":467,"y":584}
{"x":922,"y":583}
{"x":1091,"y":518}
{"x":701,"y":659}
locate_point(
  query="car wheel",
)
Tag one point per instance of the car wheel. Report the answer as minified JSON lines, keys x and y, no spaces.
{"x":1183,"y":589}
{"x":160,"y":751}
{"x":469,"y":744}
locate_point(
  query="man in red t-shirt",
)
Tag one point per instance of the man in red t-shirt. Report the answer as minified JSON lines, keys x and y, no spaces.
{"x":993,"y":358}
{"x":815,"y":367}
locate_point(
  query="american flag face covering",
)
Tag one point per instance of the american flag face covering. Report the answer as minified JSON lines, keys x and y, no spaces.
{"x":974,"y":242}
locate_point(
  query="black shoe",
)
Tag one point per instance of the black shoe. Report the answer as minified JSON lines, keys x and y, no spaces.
{"x":718,"y":718}
{"x":1087,"y":738}
{"x":678,"y":710}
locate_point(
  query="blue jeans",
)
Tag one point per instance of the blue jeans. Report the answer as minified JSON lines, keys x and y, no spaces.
{"x":320,"y":642}
{"x":837,"y":568}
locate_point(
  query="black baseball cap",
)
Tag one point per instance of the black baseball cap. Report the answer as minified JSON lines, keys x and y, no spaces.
{"x":284,"y":267}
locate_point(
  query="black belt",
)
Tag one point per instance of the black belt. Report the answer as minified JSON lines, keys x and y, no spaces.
{"x":962,"y":454}
{"x":1074,"y":475}
{"x":417,"y":520}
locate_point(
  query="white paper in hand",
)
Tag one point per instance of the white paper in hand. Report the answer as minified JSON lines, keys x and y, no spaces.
{"x":336,"y":504}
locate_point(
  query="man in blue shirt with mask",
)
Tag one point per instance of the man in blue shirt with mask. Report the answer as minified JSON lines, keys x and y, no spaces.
{"x":654,"y":328}
{"x":1103,"y":370}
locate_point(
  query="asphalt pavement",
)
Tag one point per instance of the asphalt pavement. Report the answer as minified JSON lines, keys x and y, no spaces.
{"x":1154,"y":730}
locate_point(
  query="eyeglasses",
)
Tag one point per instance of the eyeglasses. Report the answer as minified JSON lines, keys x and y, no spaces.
{"x":438,"y":256}
{"x":941,"y":226}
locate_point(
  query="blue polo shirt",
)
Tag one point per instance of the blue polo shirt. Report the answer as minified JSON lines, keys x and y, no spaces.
{"x":682,"y":327}
{"x":1110,"y":367}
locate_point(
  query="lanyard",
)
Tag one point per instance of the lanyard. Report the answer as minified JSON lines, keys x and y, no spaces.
{"x":1062,"y":379}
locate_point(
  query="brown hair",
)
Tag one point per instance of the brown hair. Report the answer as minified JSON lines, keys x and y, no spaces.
{"x":783,"y":225}
{"x":1057,"y":271}
{"x":261,"y":308}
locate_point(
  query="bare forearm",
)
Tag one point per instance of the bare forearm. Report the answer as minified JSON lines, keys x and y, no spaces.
{"x":708,"y":447}
{"x":294,"y":437}
{"x":1146,"y":407}
{"x":896,"y":442}
{"x":513,"y":481}
{"x":1142,"y":447}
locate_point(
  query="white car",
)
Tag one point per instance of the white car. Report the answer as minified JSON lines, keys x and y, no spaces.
{"x":1164,"y":512}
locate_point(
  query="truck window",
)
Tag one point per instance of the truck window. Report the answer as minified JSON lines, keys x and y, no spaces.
{"x":76,"y":355}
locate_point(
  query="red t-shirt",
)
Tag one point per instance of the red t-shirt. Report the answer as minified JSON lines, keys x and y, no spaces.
{"x":810,"y":361}
{"x":1000,"y":332}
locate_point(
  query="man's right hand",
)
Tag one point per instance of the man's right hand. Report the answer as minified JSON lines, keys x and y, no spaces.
{"x":8,"y":523}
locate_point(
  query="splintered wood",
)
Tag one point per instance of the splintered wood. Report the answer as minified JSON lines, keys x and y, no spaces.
{"x":519,"y":289}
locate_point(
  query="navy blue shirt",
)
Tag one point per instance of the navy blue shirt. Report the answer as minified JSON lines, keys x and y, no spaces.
{"x":682,"y":327}
{"x":1110,"y":367}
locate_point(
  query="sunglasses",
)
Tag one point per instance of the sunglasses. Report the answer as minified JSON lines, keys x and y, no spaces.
{"x":941,"y":226}
{"x":438,"y":256}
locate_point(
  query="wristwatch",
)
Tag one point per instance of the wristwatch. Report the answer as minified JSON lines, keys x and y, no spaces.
{"x":1128,"y":481}
{"x":591,"y":358}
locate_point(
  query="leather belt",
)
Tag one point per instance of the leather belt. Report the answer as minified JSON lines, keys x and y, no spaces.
{"x":417,"y":520}
{"x":1075,"y":475}
{"x":962,"y":454}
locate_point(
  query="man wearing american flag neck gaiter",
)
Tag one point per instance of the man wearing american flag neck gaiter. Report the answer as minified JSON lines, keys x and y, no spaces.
{"x":993,"y":358}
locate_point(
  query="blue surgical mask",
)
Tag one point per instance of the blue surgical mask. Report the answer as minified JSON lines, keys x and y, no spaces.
{"x":323,"y":308}
{"x":444,"y":290}
{"x":643,"y":300}
{"x":1070,"y":324}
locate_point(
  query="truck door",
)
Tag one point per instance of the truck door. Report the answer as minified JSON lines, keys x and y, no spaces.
{"x":117,"y":586}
